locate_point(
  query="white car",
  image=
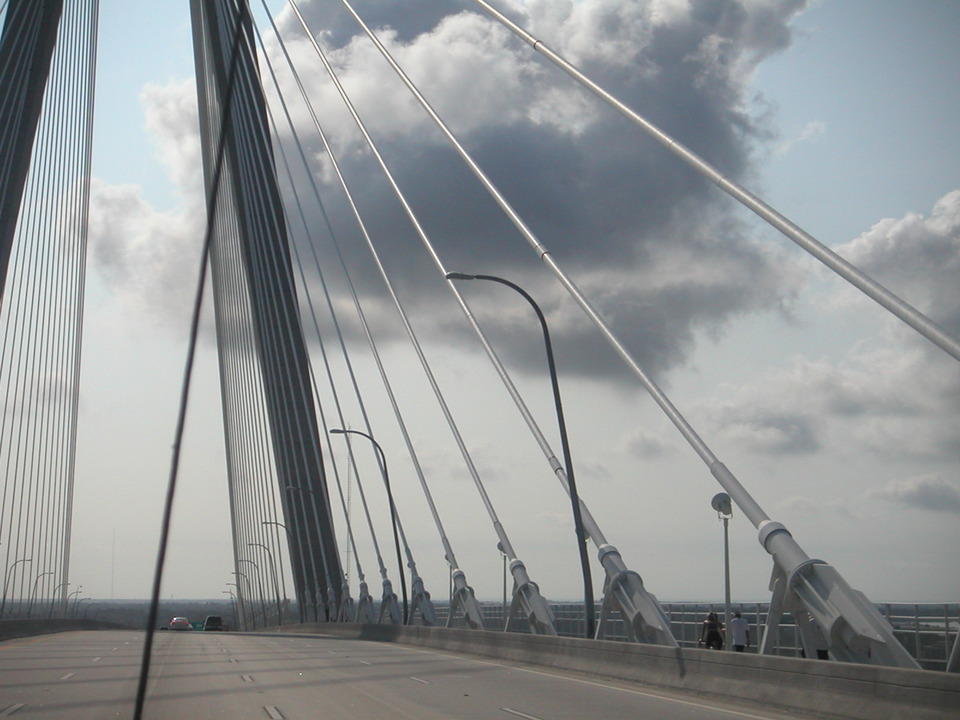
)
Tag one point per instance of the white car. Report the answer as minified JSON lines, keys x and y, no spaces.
{"x":180,"y":623}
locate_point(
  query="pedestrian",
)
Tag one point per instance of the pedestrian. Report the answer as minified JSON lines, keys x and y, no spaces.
{"x":740,"y":632}
{"x":711,"y":633}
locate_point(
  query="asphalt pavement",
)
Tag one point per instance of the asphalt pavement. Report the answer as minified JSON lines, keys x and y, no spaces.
{"x":208,"y":675}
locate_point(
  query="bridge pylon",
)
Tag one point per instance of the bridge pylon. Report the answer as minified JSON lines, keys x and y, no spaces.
{"x":266,"y":389}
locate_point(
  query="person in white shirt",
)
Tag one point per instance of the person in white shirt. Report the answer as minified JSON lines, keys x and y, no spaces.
{"x":740,"y":629}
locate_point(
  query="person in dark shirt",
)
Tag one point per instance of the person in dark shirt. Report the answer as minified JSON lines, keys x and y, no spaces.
{"x":711,"y":632}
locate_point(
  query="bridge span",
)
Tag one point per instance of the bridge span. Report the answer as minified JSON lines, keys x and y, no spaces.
{"x":276,"y":218}
{"x":335,"y":671}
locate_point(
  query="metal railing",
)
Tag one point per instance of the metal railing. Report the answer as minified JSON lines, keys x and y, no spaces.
{"x":926,"y":630}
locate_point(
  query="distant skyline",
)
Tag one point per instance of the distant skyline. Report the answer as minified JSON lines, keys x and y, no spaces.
{"x":842,"y":424}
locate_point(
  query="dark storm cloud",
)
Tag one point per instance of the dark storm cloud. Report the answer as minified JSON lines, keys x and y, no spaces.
{"x":656,"y":247}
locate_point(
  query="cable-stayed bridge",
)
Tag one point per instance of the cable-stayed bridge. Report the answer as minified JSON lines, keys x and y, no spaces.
{"x":273,"y":251}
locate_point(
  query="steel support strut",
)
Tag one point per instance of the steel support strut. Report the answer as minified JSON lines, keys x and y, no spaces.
{"x":834,"y":619}
{"x":464,"y":600}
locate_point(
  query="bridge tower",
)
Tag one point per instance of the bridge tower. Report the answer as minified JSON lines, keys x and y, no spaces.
{"x":47,"y":70}
{"x":264,"y":368}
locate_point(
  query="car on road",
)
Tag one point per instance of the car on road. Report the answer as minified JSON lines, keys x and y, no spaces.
{"x":180,"y":623}
{"x":213,"y":622}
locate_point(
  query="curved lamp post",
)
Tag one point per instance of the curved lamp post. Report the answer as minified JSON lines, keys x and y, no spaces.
{"x":300,"y":605}
{"x":76,"y":606}
{"x":6,"y":583}
{"x":276,"y":585}
{"x":53,"y":598}
{"x":241,"y":605}
{"x":318,"y":596}
{"x":393,"y":508}
{"x":76,"y":601}
{"x":588,"y":600}
{"x":233,"y":604}
{"x":263,"y":605}
{"x":33,"y":592}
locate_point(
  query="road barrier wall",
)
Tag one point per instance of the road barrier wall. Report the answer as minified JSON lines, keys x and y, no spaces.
{"x":824,"y":688}
{"x":25,"y":627}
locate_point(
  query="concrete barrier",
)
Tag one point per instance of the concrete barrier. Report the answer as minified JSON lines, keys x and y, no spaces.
{"x":824,"y":688}
{"x":26,"y":627}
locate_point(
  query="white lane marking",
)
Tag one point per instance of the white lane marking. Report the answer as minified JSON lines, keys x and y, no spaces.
{"x":97,"y":659}
{"x":364,"y":662}
{"x":425,"y":682}
{"x":246,"y":678}
{"x":520,"y":714}
{"x":273,"y":712}
{"x":12,"y":709}
{"x":67,"y":676}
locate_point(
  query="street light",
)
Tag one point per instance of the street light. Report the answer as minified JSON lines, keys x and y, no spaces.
{"x":721,"y":503}
{"x":233,"y":603}
{"x":6,"y":583}
{"x":564,"y":442}
{"x":53,"y":598}
{"x":276,"y":585}
{"x":393,"y":508}
{"x":76,"y":605}
{"x":241,"y":606}
{"x":75,"y":594}
{"x":317,"y":591}
{"x":290,"y":544}
{"x":33,"y":593}
{"x":263,"y":605}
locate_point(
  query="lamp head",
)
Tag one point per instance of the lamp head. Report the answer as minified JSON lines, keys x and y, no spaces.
{"x":721,"y":503}
{"x":459,"y":276}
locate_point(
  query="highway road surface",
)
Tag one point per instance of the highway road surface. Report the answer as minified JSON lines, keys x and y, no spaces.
{"x":206,"y":675}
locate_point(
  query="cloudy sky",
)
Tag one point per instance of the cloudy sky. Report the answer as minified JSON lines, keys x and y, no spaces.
{"x":842,"y":423}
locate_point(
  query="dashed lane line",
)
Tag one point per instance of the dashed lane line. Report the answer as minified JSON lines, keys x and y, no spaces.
{"x":520,"y":714}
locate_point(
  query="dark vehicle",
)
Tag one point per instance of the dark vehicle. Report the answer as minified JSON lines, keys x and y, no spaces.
{"x":213,"y":622}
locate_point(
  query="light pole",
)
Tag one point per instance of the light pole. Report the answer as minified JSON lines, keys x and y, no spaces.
{"x":564,"y":442}
{"x":6,"y":583}
{"x":263,"y":605}
{"x":290,"y":544}
{"x":241,"y":605}
{"x":33,"y":593}
{"x":301,"y":587}
{"x":53,"y":598}
{"x":276,"y":585}
{"x":74,"y":594}
{"x":721,"y":503}
{"x":233,"y":603}
{"x":506,"y":608}
{"x":76,"y":605}
{"x":393,"y":508}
